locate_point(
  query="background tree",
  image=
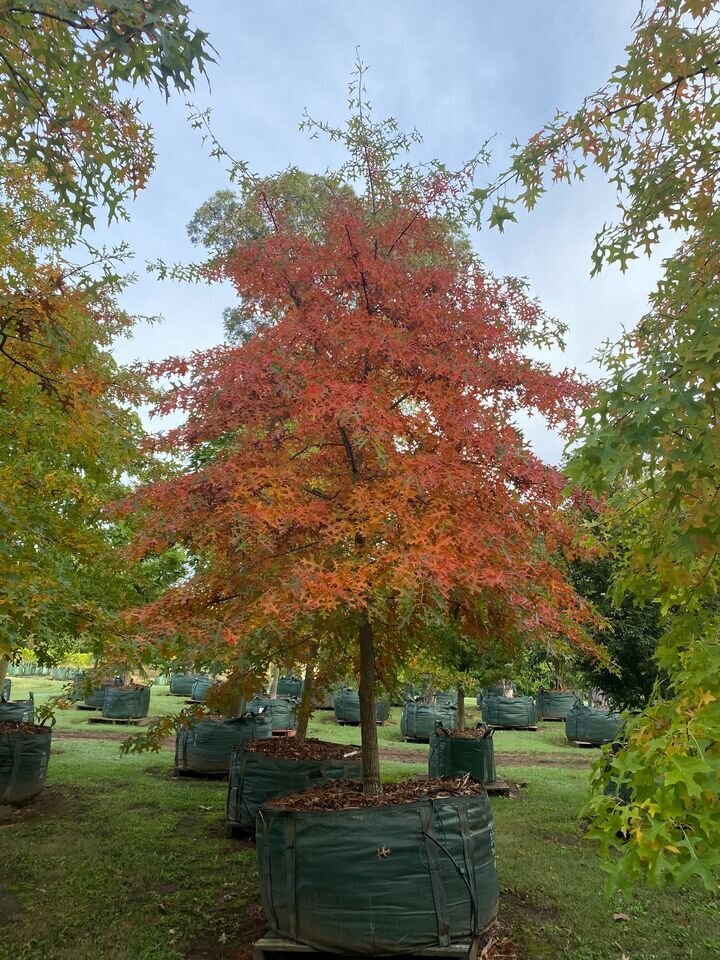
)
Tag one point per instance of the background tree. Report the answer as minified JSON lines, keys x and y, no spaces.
{"x":68,"y":142}
{"x":650,"y":438}
{"x":630,"y":635}
{"x":375,"y":479}
{"x":231,"y":218}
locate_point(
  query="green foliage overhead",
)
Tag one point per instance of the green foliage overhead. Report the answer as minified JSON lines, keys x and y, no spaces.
{"x":650,"y":440}
{"x":63,"y":110}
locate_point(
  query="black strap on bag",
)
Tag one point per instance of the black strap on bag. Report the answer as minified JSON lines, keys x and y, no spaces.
{"x":436,"y":882}
{"x":290,"y":875}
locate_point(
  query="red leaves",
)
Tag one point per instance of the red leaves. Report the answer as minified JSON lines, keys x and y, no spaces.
{"x":365,"y":442}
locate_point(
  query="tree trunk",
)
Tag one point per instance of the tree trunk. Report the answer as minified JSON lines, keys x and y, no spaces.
{"x":274,"y":682}
{"x":306,"y":703}
{"x":461,"y":707}
{"x":4,"y":664}
{"x":368,"y":722}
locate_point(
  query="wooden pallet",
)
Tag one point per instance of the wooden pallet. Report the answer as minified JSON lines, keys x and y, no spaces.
{"x":584,"y":744}
{"x":125,"y":722}
{"x":551,"y":719}
{"x":277,"y":948}
{"x":502,"y":726}
{"x":284,"y":733}
{"x":498,"y":788}
{"x":199,"y":774}
{"x":415,"y":740}
{"x":85,"y":706}
{"x":356,"y":723}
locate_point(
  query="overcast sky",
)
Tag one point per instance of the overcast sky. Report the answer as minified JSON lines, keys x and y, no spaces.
{"x":458,"y":70}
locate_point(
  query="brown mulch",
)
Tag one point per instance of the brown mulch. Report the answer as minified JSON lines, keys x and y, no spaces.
{"x":13,"y":726}
{"x":470,"y":733}
{"x":346,"y":794}
{"x":288,"y":748}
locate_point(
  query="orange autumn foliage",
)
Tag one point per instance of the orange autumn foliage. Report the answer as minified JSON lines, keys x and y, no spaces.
{"x":359,"y":456}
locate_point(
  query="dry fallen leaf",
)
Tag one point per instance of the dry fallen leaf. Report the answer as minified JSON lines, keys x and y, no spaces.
{"x":621,"y":916}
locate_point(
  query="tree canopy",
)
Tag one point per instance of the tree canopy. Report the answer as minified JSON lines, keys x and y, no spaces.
{"x":372,"y":479}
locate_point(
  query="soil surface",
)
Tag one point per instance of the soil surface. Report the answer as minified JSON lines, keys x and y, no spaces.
{"x":346,"y":794}
{"x":288,"y":748}
{"x":12,"y":726}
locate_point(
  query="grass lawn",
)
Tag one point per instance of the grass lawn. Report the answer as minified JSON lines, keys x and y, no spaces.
{"x":117,"y":861}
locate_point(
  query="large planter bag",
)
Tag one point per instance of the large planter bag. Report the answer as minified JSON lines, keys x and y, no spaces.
{"x":282,"y":711}
{"x":379,"y":880}
{"x":126,"y":704}
{"x":181,"y":684}
{"x":208,"y":745}
{"x":586,"y":725}
{"x":24,"y":758}
{"x":256,"y":778}
{"x":517,"y":713}
{"x":200,"y":689}
{"x":347,"y":707}
{"x":6,"y":688}
{"x":447,"y":698}
{"x":417,"y":720}
{"x":555,"y":704}
{"x":289,"y":687}
{"x":17,"y":711}
{"x":323,"y":700}
{"x":450,"y":756}
{"x":96,"y":697}
{"x":495,"y":690}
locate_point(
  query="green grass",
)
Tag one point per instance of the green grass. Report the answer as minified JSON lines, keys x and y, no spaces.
{"x":117,"y":860}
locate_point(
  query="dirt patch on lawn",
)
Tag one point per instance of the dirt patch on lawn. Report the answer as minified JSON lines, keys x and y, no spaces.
{"x":580,"y":761}
{"x":515,"y":902}
{"x":235,"y":944}
{"x":51,"y":801}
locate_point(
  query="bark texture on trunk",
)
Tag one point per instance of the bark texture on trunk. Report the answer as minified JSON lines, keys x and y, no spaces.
{"x":306,"y":703}
{"x":274,"y":682}
{"x":4,"y":664}
{"x":368,"y":723}
{"x":461,"y":707}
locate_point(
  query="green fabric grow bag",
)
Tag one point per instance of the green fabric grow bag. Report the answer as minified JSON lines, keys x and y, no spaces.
{"x":447,"y":698}
{"x":96,"y":697}
{"x":494,"y":690}
{"x":200,"y":688}
{"x":282,"y":711}
{"x":323,"y":883}
{"x":24,"y":759}
{"x":418,"y":720}
{"x":122,"y":704}
{"x":347,"y":707}
{"x":6,"y":688}
{"x":516,"y":712}
{"x":289,"y":687}
{"x":592,"y":726}
{"x":256,"y":778}
{"x":450,"y":756}
{"x":555,"y":704}
{"x":181,"y":684}
{"x":207,"y":746}
{"x":18,"y":711}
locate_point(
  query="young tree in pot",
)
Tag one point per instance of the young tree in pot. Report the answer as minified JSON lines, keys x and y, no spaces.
{"x":373,"y":478}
